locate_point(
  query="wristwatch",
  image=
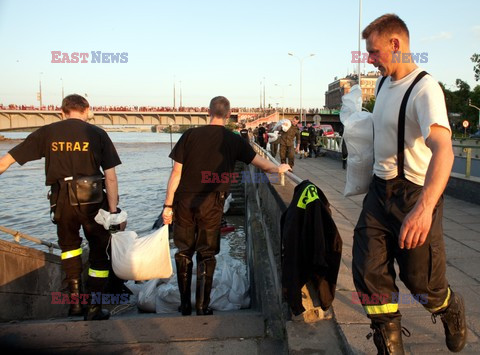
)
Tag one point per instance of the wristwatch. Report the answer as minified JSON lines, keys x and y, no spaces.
{"x":169,"y":206}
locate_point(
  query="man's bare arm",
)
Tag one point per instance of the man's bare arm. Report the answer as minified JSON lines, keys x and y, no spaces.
{"x":111,"y":185}
{"x":172,"y":186}
{"x":417,"y":223}
{"x":5,"y":162}
{"x":268,"y":167}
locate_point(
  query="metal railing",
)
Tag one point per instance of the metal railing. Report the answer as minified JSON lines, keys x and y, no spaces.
{"x":264,"y":154}
{"x":331,"y":143}
{"x":18,"y":235}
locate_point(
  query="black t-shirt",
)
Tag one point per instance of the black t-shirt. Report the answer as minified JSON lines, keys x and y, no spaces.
{"x":208,"y":156}
{"x":71,"y":148}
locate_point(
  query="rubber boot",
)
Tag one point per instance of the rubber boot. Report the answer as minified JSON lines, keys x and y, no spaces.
{"x":94,"y":309}
{"x":75,"y":287}
{"x":453,"y":319}
{"x":205,"y":270}
{"x":184,"y":278}
{"x":387,"y":336}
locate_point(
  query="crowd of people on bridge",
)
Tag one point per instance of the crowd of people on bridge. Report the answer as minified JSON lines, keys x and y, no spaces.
{"x":136,"y":108}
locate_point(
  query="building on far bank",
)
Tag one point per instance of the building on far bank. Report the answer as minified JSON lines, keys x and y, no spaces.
{"x":340,"y":87}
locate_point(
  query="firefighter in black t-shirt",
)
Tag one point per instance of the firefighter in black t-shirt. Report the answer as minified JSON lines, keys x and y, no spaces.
{"x":74,"y":153}
{"x":204,"y":163}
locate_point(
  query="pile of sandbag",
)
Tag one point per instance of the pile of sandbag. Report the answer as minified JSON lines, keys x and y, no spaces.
{"x":230,"y":290}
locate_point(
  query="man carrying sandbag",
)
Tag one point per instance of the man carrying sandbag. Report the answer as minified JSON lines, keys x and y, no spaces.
{"x":204,"y":163}
{"x":402,"y":213}
{"x":74,"y":152}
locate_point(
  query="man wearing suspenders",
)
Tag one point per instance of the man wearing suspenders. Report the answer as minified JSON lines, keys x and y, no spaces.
{"x":402,"y":212}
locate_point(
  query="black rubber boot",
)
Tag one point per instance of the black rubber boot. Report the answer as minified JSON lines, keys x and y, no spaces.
{"x":75,"y":287}
{"x":184,"y":278}
{"x":95,"y":312}
{"x":453,"y":319}
{"x":205,"y":270}
{"x":387,"y":336}
{"x":94,"y":309}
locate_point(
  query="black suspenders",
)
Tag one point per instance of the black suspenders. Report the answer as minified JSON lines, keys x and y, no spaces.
{"x":401,"y":123}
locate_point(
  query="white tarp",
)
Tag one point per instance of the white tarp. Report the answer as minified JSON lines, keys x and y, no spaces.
{"x":230,"y":289}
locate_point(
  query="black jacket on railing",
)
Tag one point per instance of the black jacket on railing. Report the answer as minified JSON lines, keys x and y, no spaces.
{"x":311,"y":247}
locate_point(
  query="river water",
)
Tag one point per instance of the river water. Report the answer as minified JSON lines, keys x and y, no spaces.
{"x":142,"y":176}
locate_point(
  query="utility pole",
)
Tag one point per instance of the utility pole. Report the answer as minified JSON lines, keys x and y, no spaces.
{"x":40,"y":90}
{"x":264,"y":107}
{"x":181,"y":94}
{"x":470,"y":104}
{"x":174,"y":104}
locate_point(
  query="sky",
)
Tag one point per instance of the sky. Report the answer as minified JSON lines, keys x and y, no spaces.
{"x":210,"y":48}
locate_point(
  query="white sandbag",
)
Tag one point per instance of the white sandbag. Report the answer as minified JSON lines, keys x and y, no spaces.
{"x":230,"y":287}
{"x":147,"y":296}
{"x":284,"y":125}
{"x":238,"y":289}
{"x":146,"y":258}
{"x":167,"y":298}
{"x":359,"y":140}
{"x":273,"y":137}
{"x":358,"y":136}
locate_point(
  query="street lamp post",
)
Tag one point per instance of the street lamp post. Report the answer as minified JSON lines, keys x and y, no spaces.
{"x":300,"y":60}
{"x":283,"y":98}
{"x":264,"y":107}
{"x":174,"y":104}
{"x":470,"y":104}
{"x":181,"y":94}
{"x":63,"y":94}
{"x":40,"y":89}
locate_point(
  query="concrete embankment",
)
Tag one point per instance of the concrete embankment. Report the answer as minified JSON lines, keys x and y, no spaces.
{"x":314,"y":331}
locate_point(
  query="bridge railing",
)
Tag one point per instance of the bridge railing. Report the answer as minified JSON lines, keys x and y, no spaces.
{"x":265,"y":154}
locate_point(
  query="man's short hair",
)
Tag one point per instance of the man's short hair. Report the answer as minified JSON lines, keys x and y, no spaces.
{"x":296,"y":118}
{"x":74,"y":103}
{"x":386,"y":25}
{"x":219,"y":107}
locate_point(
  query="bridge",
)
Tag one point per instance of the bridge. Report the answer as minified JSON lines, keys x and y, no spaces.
{"x":24,"y":119}
{"x":15,"y":119}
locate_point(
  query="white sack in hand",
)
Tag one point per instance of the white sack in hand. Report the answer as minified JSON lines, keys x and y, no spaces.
{"x":146,"y":258}
{"x":106,"y":219}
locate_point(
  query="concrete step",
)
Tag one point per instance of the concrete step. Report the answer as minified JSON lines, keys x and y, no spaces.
{"x":68,"y":334}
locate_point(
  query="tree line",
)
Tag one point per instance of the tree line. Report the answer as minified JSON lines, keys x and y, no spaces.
{"x":458,"y":100}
